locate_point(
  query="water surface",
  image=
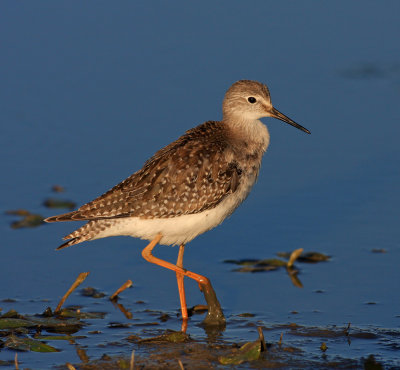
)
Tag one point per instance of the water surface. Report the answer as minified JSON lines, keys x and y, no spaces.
{"x":89,"y":92}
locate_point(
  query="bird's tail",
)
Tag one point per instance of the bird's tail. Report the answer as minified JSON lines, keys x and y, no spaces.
{"x":87,"y":232}
{"x":68,"y":243}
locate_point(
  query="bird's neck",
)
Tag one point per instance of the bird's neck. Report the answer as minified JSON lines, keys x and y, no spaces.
{"x":249,"y":130}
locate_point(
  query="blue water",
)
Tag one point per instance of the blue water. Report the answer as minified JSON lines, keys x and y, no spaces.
{"x":90,"y":90}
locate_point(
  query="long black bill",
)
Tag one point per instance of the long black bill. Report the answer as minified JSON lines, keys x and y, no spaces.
{"x":276,"y":114}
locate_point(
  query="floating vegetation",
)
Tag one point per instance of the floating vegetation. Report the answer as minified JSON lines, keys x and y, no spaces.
{"x":157,"y":347}
{"x":141,"y":337}
{"x":170,"y":336}
{"x":57,"y":189}
{"x":59,"y":203}
{"x":308,"y":257}
{"x":250,"y":351}
{"x":27,"y":344}
{"x":273,"y":264}
{"x":246,"y":314}
{"x":323,"y":347}
{"x":28,"y":219}
{"x":379,"y":250}
{"x":75,"y":312}
{"x":270,"y":264}
{"x":13,"y":330}
{"x":253,"y":265}
{"x":11,"y":323}
{"x":92,"y":292}
{"x":121,"y":325}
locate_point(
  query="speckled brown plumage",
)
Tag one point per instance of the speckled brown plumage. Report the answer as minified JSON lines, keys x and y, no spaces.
{"x":192,"y":184}
{"x":188,"y":176}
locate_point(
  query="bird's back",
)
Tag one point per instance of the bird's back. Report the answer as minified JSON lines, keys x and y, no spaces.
{"x":187,"y":176}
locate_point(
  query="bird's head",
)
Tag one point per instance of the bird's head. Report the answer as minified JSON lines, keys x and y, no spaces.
{"x":249,"y":100}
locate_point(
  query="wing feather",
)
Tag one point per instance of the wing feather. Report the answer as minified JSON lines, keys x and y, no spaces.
{"x":188,"y":176}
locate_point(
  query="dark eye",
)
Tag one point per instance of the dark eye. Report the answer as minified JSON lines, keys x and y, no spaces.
{"x":252,"y":99}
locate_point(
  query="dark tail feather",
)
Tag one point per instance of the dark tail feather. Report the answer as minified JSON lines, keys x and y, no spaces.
{"x":70,"y":242}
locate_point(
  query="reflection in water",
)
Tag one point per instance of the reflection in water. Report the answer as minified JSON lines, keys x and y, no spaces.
{"x":293,"y":277}
{"x":126,"y":313}
{"x":124,"y":286}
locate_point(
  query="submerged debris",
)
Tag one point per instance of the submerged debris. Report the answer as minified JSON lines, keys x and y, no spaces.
{"x":92,"y":292}
{"x":57,"y":189}
{"x":79,"y":280}
{"x":371,"y":364}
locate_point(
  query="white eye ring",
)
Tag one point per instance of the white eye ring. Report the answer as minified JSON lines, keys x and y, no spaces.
{"x":251,"y":99}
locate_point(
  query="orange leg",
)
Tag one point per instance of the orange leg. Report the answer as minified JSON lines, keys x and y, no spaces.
{"x":148,"y":256}
{"x":215,"y":315}
{"x":181,"y":286}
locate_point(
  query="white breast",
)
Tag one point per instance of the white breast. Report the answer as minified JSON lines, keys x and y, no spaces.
{"x":182,"y":229}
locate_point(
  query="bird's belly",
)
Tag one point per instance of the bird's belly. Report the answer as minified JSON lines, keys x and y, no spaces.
{"x":181,"y":229}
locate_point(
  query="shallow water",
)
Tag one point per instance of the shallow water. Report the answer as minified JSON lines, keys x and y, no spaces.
{"x":89,"y":93}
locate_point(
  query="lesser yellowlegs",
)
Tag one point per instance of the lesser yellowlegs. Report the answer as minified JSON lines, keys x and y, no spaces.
{"x":188,"y":187}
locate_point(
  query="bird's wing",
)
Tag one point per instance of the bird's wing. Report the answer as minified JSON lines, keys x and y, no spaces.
{"x":188,"y":176}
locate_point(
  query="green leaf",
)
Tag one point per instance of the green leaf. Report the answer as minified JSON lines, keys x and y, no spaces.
{"x":70,"y":313}
{"x":28,"y":220}
{"x":15,"y":323}
{"x":60,"y":337}
{"x":27,"y":344}
{"x":248,"y":352}
{"x":54,"y":325}
{"x":313,"y":257}
{"x":169,"y":336}
{"x":271,"y":262}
